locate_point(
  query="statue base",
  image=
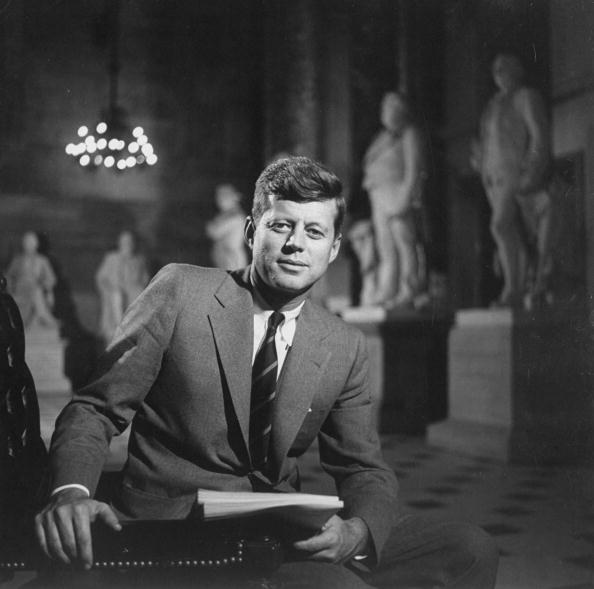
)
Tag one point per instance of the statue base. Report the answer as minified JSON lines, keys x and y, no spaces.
{"x":44,"y":354}
{"x":407,"y":365}
{"x":519,"y":387}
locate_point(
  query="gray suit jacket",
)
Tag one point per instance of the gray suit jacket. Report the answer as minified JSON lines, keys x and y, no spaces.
{"x":179,"y":368}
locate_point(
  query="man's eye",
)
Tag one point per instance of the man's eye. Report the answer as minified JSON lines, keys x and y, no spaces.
{"x":280,"y":226}
{"x":315,"y":233}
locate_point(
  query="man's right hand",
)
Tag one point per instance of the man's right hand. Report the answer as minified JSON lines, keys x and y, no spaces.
{"x":63,"y":527}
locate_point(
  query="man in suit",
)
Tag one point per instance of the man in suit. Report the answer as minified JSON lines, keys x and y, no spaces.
{"x":182,"y":367}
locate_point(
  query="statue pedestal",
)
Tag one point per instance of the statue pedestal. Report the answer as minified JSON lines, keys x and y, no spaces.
{"x":519,"y":387}
{"x":44,"y":354}
{"x":407,"y":366}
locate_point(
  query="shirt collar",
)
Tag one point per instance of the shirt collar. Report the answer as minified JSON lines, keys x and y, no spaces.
{"x":287,"y":328}
{"x":261,"y":306}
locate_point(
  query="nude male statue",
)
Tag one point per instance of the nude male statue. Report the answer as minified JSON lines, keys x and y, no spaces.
{"x":512,"y":157}
{"x":393,"y":177}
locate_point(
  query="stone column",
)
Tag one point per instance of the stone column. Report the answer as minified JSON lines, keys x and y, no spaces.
{"x":12,"y":86}
{"x":292,"y":109}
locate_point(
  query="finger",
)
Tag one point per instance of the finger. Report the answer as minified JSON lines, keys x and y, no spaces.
{"x":65,"y":527}
{"x":317,"y":543}
{"x":327,"y":555}
{"x":40,"y":533}
{"x":107,"y":515}
{"x":54,"y":541}
{"x":82,"y":531}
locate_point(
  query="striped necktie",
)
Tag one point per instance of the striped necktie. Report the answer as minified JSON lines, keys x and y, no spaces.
{"x":264,"y":373}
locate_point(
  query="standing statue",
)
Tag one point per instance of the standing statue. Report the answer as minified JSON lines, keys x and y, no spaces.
{"x":31,"y":281}
{"x":394,"y":175}
{"x":512,"y":156}
{"x":226,"y":230}
{"x":121,"y":277}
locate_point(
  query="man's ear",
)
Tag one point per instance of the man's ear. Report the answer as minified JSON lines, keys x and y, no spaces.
{"x":249,"y":230}
{"x":335,"y":247}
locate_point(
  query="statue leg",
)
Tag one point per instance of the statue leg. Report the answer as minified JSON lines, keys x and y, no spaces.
{"x":538,"y":215}
{"x":41,"y":310}
{"x":404,"y":237}
{"x":111,"y":313}
{"x":387,"y":268}
{"x":506,"y":233}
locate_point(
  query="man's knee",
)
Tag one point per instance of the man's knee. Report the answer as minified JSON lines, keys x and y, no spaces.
{"x":474,"y":553}
{"x":315,"y":575}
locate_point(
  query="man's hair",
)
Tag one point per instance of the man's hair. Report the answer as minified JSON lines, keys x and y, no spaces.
{"x":299,"y":179}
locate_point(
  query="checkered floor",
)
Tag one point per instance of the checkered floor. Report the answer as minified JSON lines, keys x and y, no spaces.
{"x":542,"y":519}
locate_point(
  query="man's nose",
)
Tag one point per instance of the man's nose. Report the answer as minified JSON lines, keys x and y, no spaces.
{"x":296,"y":240}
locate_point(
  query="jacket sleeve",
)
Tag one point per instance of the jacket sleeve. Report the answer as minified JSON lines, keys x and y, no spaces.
{"x":125,"y":375}
{"x":350,"y":452}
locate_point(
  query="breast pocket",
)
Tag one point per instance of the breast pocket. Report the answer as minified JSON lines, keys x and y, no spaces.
{"x":308,"y":432}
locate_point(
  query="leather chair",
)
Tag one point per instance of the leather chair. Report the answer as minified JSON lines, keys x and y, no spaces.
{"x":23,"y":456}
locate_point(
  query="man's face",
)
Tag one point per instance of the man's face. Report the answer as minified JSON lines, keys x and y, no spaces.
{"x":293,"y":243}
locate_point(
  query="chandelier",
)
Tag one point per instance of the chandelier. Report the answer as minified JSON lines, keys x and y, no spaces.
{"x":111,"y":142}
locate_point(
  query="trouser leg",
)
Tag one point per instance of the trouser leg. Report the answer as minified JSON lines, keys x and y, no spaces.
{"x":422,"y":553}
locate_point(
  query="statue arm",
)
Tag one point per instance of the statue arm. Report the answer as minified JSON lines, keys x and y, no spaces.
{"x":413,"y":164}
{"x":47,"y":276}
{"x":537,"y":155}
{"x":478,"y":143}
{"x":12,"y":274}
{"x":104,"y":275}
{"x":222,"y":226}
{"x":144,"y":272}
{"x":377,"y":145}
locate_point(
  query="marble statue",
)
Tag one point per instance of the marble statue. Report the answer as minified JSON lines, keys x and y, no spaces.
{"x":226,"y":230}
{"x":394,"y":175}
{"x":512,"y":156}
{"x":121,"y":277}
{"x":31,"y":281}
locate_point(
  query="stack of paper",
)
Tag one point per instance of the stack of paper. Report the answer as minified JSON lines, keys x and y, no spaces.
{"x":304,"y":509}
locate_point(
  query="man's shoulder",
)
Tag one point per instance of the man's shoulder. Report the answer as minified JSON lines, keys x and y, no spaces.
{"x":337,"y":326}
{"x":191,"y":271}
{"x":192,"y":276}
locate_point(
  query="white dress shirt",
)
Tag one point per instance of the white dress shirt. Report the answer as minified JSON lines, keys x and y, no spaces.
{"x":284,"y":334}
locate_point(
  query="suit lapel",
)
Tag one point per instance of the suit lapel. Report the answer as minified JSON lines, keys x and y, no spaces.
{"x":232,"y":323}
{"x":299,"y":381}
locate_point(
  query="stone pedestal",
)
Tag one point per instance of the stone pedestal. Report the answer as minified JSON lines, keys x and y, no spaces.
{"x":407,"y":366}
{"x":44,"y":354}
{"x":519,"y":387}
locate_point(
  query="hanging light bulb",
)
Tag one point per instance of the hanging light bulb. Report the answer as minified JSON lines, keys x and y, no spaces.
{"x":116,"y":139}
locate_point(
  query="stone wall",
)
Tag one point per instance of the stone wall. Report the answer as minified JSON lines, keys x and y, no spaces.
{"x":189,"y":76}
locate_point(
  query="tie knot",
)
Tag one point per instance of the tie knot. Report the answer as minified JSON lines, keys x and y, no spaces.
{"x":274,"y":321}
